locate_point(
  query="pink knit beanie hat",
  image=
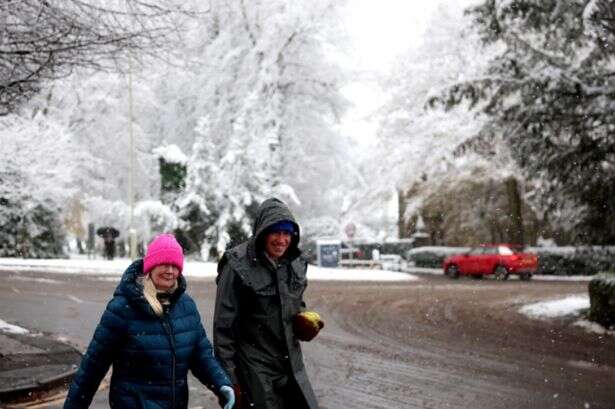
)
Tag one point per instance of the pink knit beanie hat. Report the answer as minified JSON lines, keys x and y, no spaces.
{"x":163,"y":250}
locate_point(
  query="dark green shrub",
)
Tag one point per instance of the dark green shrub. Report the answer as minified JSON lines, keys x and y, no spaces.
{"x":586,"y":260}
{"x":427,"y":259}
{"x":602,"y":299}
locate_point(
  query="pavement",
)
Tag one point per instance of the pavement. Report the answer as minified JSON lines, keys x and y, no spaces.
{"x":32,"y":365}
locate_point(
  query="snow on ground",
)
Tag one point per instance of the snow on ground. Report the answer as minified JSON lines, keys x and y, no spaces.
{"x":439,"y":271}
{"x":12,"y":329}
{"x":191,"y":269}
{"x":66,"y":266}
{"x":562,"y":278}
{"x":570,"y":305}
{"x":355,"y":274}
{"x":81,"y":265}
{"x":423,"y":270}
{"x":33,"y":279}
{"x":594,"y":327}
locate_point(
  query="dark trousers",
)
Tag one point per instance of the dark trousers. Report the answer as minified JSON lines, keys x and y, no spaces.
{"x":290,"y":396}
{"x":287,"y":395}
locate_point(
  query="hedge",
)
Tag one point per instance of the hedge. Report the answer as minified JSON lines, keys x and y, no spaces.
{"x":602,"y":299}
{"x":584,"y":260}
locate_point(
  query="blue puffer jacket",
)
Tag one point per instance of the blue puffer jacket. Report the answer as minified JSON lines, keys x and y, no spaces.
{"x":150,"y":355}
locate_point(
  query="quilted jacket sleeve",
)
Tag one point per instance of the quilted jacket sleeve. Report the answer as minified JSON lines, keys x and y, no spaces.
{"x":98,"y":358}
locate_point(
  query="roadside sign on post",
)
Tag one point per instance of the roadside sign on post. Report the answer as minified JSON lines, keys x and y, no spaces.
{"x":328,"y":252}
{"x":91,"y":240}
{"x":350,"y":229}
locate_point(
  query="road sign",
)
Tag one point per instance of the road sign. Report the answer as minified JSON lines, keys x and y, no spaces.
{"x":328,"y":252}
{"x":350,"y":229}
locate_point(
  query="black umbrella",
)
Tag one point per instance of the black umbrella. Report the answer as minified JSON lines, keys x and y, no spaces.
{"x":108,"y":232}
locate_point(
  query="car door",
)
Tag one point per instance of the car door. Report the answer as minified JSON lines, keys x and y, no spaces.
{"x":488,"y":260}
{"x":471,"y":260}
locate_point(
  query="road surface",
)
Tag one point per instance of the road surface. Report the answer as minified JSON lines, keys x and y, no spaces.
{"x":430,"y":343}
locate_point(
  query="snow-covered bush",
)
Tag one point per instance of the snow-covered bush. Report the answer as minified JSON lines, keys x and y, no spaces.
{"x":153,"y":217}
{"x":113,"y":213}
{"x":432,"y":256}
{"x":586,"y":260}
{"x":29,"y":227}
{"x":602,"y":299}
{"x":320,"y":227}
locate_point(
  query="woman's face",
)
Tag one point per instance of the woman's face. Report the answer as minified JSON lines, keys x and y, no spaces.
{"x":164,"y":276}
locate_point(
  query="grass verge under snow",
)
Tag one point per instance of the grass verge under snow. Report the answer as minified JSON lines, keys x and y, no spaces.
{"x":191,"y":269}
{"x":12,"y":329}
{"x":574,"y":305}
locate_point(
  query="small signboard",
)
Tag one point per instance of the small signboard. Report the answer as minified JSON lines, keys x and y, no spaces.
{"x":350,"y":229}
{"x":328,"y":252}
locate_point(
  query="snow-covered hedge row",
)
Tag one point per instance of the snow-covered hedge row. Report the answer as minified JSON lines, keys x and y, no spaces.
{"x":602,"y":299}
{"x":432,"y":256}
{"x":586,"y":260}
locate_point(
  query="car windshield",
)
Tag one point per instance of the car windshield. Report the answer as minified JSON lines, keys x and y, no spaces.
{"x":507,"y":251}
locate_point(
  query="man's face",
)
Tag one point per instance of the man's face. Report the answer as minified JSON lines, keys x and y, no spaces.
{"x":164,"y":276}
{"x":276,"y":244}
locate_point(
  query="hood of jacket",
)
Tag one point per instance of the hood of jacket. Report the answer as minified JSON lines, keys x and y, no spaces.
{"x":132,"y":290}
{"x":270,"y":212}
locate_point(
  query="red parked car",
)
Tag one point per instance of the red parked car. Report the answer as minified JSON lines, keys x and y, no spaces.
{"x":501,"y":260}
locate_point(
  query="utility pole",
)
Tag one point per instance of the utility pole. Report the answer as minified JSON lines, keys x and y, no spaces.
{"x":132,"y":233}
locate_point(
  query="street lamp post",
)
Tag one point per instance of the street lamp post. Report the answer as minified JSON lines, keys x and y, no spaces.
{"x":132,"y":233}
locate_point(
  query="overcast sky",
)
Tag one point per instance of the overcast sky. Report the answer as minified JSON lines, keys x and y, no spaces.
{"x":380,"y":30}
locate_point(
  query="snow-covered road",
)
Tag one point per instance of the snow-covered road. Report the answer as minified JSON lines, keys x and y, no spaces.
{"x":426,"y":343}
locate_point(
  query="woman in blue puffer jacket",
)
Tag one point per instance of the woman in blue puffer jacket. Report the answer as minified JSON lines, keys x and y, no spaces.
{"x":151,"y":333}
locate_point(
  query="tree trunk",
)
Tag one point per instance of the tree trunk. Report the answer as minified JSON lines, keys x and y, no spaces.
{"x":402,"y":228}
{"x":514,"y":210}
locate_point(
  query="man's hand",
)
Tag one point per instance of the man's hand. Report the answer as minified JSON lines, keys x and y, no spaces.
{"x":229,"y":396}
{"x":306,"y":325}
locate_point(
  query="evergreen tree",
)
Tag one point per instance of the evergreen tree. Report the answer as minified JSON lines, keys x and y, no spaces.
{"x":549,"y":93}
{"x":267,"y":124}
{"x":29,"y":227}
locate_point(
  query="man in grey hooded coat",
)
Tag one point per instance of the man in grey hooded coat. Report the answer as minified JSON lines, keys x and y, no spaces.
{"x":260,"y":291}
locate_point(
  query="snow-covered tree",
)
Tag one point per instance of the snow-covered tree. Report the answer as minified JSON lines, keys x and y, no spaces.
{"x":251,"y":95}
{"x":549,"y":93}
{"x":267,"y":127}
{"x":43,"y":40}
{"x":30,"y":225}
{"x":419,"y":143}
{"x":153,"y":218}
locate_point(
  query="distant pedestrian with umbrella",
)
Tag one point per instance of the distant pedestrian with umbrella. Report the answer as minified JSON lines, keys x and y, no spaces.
{"x":108,"y":234}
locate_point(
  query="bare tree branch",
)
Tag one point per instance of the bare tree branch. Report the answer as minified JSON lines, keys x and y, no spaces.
{"x":42,"y":40}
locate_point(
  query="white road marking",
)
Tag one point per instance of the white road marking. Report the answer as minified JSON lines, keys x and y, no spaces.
{"x":75,"y":299}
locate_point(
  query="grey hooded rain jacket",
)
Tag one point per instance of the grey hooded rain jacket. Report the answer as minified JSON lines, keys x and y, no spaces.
{"x":255,"y":305}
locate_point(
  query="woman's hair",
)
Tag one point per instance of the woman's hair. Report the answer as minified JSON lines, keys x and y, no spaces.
{"x":150,"y":291}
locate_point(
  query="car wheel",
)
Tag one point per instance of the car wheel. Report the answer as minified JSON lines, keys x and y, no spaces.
{"x":525,"y":276}
{"x":477,"y":276}
{"x":500,"y":273}
{"x":452,"y":271}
